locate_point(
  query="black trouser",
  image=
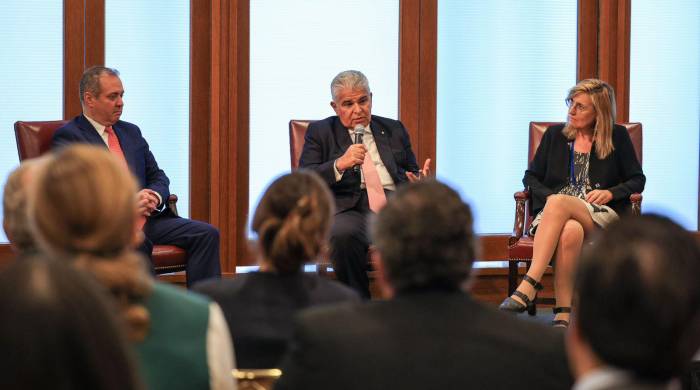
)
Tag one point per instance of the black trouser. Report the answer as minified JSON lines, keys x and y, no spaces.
{"x":349,"y":244}
{"x":199,"y":240}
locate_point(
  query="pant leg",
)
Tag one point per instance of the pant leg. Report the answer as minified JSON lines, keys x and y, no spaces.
{"x":199,"y":239}
{"x":349,"y":245}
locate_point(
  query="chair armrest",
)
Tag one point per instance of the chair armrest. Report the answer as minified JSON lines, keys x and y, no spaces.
{"x":172,"y":203}
{"x":521,"y":198}
{"x":636,"y":200}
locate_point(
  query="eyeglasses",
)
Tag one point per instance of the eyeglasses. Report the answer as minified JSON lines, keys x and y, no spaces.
{"x":578,"y":107}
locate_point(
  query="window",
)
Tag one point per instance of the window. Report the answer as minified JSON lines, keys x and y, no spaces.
{"x":149,"y":43}
{"x":31,"y":72}
{"x":296,"y":48}
{"x":665,"y":98}
{"x":501,"y":64}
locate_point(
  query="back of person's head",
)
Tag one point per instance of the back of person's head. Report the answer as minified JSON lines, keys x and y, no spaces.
{"x":84,"y":204}
{"x":14,"y":204}
{"x":82,"y":208}
{"x":58,"y":331}
{"x":639,"y":297}
{"x":293,"y":220}
{"x":425,"y":237}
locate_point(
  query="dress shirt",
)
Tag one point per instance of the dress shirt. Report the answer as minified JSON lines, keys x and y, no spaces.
{"x":371,"y":145}
{"x":100,"y":128}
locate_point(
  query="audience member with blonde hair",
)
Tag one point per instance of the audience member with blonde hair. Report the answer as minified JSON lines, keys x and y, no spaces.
{"x":580,"y":179}
{"x":292,"y":222}
{"x":59,"y":331}
{"x":83,"y":209}
{"x":14,"y":205}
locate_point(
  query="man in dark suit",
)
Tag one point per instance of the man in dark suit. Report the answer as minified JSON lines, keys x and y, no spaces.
{"x":637,"y":318}
{"x":429,"y":334}
{"x":101,"y":94}
{"x":331,"y":149}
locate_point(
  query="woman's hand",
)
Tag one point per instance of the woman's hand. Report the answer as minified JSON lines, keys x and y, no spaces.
{"x":599,"y":197}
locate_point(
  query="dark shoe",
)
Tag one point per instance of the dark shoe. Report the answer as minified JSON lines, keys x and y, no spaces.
{"x":510,"y":304}
{"x":560,"y":323}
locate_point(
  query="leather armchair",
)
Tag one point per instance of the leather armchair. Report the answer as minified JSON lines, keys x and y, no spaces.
{"x":297,"y":131}
{"x":520,"y":243}
{"x":34,"y":139}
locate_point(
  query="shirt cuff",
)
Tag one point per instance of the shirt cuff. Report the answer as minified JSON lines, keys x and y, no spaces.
{"x":338,"y":174}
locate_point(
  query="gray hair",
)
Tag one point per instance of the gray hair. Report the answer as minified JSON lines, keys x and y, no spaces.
{"x":349,"y":79}
{"x":90,"y":81}
{"x":425,"y":237}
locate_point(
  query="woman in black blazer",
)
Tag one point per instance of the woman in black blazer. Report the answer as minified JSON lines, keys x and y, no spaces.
{"x":292,"y":222}
{"x":580,"y":179}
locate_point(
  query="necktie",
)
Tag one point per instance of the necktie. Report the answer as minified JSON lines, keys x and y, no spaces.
{"x":375,"y":190}
{"x":113,"y":144}
{"x":116,"y":149}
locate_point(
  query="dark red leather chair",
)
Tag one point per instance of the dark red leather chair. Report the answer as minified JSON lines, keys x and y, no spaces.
{"x":297,"y":132}
{"x":34,"y":139}
{"x":520,"y":243}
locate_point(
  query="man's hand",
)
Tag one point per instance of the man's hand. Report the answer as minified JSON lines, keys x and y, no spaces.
{"x":147,"y":201}
{"x":412,"y":177}
{"x":599,"y":197}
{"x":355,"y":155}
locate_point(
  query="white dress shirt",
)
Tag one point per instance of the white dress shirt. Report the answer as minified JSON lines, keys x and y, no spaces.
{"x":371,"y":145}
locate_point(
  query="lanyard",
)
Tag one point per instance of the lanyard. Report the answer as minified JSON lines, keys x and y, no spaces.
{"x":572,"y":173}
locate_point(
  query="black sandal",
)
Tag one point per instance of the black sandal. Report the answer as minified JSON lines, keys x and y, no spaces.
{"x":560,"y":323}
{"x":511,"y":305}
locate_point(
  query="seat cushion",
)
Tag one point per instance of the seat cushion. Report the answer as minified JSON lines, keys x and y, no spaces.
{"x":168,"y":258}
{"x":521,"y":249}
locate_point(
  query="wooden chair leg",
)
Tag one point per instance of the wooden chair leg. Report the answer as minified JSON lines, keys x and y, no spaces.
{"x":512,"y":276}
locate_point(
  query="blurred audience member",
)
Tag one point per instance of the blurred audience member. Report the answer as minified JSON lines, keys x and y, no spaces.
{"x":83,"y":208}
{"x":14,"y":205}
{"x":292,"y":223}
{"x":638,"y":312}
{"x":58,"y":331}
{"x":429,"y":334}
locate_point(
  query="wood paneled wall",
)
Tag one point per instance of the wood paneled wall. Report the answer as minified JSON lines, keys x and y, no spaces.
{"x":83,"y":47}
{"x":219,"y":87}
{"x":604,"y":47}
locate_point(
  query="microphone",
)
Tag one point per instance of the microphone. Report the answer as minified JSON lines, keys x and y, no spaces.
{"x":359,"y":131}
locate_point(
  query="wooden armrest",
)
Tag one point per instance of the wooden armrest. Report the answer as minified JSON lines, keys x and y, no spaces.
{"x":524,"y":195}
{"x":521,"y":198}
{"x":172,"y":203}
{"x":636,"y":200}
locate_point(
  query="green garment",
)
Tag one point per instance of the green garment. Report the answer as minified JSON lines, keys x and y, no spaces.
{"x":174,"y":354}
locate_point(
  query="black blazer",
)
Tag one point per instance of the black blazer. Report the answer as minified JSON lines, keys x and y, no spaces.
{"x":327,"y":139}
{"x":422,"y":340}
{"x":260,"y":307}
{"x":620,"y":172}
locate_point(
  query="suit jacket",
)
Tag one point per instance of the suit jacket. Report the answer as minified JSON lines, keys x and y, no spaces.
{"x":326,"y":140}
{"x":260,"y":307}
{"x":620,"y":172}
{"x":136,"y":151}
{"x":422,"y":340}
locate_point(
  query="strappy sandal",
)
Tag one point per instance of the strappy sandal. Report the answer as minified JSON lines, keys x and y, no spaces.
{"x":511,"y":305}
{"x":560,"y":323}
